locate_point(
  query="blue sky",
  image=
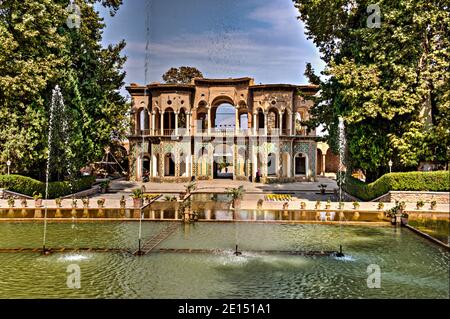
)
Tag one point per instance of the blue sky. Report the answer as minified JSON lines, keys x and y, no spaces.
{"x":222,"y":38}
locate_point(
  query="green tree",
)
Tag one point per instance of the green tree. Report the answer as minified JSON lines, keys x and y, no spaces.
{"x":181,"y":75}
{"x":390,"y":84}
{"x":311,"y":75}
{"x":38,"y":50}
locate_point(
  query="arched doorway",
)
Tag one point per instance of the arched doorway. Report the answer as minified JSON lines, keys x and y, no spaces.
{"x":169,"y":121}
{"x":301,"y":165}
{"x":142,"y":121}
{"x":156,"y":122}
{"x":223,"y":161}
{"x":183,"y":165}
{"x":223,"y":117}
{"x":260,"y":120}
{"x":272,"y":164}
{"x":182,"y":121}
{"x":273,"y":122}
{"x":146,"y":164}
{"x":169,"y":165}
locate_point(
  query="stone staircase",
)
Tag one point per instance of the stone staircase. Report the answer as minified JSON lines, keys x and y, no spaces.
{"x":156,"y":240}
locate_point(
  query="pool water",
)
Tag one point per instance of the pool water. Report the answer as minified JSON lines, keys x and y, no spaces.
{"x":411,"y":266}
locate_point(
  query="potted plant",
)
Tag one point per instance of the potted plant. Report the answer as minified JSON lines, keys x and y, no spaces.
{"x":341,"y":205}
{"x":328,"y":204}
{"x":101,"y":202}
{"x":285,"y":206}
{"x":104,"y":186}
{"x":169,"y":198}
{"x":236,"y":195}
{"x":322,"y":188}
{"x":380,"y":205}
{"x":11,"y":201}
{"x":317,"y":204}
{"x":137,"y":197}
{"x":302,"y":205}
{"x":23,"y":202}
{"x":74,"y":202}
{"x":419,"y":204}
{"x":58,"y":202}
{"x":85,"y":201}
{"x":355,"y":205}
{"x":433,"y":204}
{"x":37,"y":199}
{"x":123,"y":202}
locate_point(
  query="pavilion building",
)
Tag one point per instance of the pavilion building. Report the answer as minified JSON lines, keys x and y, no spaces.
{"x":223,"y":128}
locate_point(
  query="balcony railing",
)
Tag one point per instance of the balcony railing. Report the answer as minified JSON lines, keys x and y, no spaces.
{"x":225,"y":132}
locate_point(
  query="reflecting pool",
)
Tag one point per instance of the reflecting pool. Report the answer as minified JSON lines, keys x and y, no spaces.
{"x":411,"y":266}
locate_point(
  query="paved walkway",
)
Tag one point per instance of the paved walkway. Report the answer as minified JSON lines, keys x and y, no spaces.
{"x":307,"y":192}
{"x":219,"y":185}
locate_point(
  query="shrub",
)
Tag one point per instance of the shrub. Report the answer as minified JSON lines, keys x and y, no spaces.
{"x":408,"y":181}
{"x":28,"y":186}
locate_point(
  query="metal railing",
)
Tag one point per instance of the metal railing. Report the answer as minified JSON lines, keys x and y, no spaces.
{"x":225,"y":132}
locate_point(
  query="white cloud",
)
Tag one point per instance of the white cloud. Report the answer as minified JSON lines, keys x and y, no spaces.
{"x":235,"y":53}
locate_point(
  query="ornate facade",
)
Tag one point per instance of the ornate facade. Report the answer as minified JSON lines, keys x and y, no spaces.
{"x":177,"y":133}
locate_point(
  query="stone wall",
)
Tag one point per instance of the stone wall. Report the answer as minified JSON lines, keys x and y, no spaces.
{"x":413,"y":196}
{"x":331,"y":162}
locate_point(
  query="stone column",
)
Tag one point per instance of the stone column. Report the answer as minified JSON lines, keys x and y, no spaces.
{"x":266,"y":122}
{"x":289,"y":170}
{"x":162,"y":123}
{"x":323,"y":164}
{"x":291,"y":120}
{"x":209,"y":120}
{"x":153,"y":123}
{"x":280,"y":122}
{"x":254,"y":123}
{"x":255,"y":163}
{"x":237,"y":122}
{"x":161,"y":164}
{"x":188,"y":123}
{"x":176,"y":123}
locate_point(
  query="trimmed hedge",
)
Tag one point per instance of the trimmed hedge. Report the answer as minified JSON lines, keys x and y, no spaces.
{"x":438,"y":181}
{"x":27,"y":185}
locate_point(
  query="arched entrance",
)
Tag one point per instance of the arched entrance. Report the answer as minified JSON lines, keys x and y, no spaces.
{"x":223,"y":114}
{"x":223,"y":161}
{"x":169,"y":165}
{"x":301,"y":164}
{"x":272,"y":164}
{"x":146,"y":164}
{"x":183,"y":165}
{"x":169,"y":121}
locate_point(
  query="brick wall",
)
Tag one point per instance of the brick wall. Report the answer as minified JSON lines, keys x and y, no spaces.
{"x":331,"y":162}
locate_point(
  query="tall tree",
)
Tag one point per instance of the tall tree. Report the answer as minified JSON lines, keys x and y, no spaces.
{"x":39,"y":49}
{"x":389,"y":82}
{"x":311,"y":75}
{"x":181,"y":75}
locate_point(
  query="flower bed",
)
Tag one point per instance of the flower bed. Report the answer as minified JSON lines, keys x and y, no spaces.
{"x":278,"y":197}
